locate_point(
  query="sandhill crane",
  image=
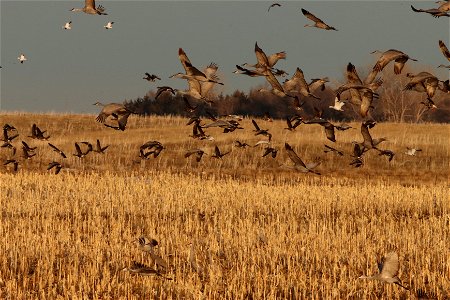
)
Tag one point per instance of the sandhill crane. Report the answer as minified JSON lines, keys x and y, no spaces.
{"x":265,"y":62}
{"x":317,"y":22}
{"x":298,"y":84}
{"x":22,"y":58}
{"x":218,"y":154}
{"x":143,"y":270}
{"x":443,"y":5}
{"x":364,"y":92}
{"x":435,"y":12}
{"x":68,"y":25}
{"x":299,"y":165}
{"x":117,"y":110}
{"x":192,"y":72}
{"x":412,"y":151}
{"x":145,"y":244}
{"x":55,"y":165}
{"x":317,"y":83}
{"x":198,"y":154}
{"x":368,"y":142}
{"x":14,"y":162}
{"x":57,"y":150}
{"x":109,"y":25}
{"x":386,"y":57}
{"x":445,"y":51}
{"x":331,"y":149}
{"x":151,"y":77}
{"x":273,"y":5}
{"x":388,"y":269}
{"x":89,"y":8}
{"x":423,"y":82}
{"x":148,"y":245}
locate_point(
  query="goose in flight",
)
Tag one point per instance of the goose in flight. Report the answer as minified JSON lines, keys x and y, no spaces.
{"x":445,"y":51}
{"x":55,"y":165}
{"x":99,"y":148}
{"x":317,"y":22}
{"x":259,"y":131}
{"x":198,"y":154}
{"x":218,"y":154}
{"x":109,"y":25}
{"x":299,"y":165}
{"x":27,"y":147}
{"x":269,"y":150}
{"x":162,"y":89}
{"x":80,"y":153}
{"x":386,"y":57}
{"x":14,"y":162}
{"x":328,"y":127}
{"x":388,"y":270}
{"x":240,"y":144}
{"x":423,"y":82}
{"x":22,"y":58}
{"x":291,"y":126}
{"x":68,"y":25}
{"x":331,"y":149}
{"x":429,"y":104}
{"x":273,"y":5}
{"x":151,"y":77}
{"x":435,"y":12}
{"x":89,"y":8}
{"x":54,"y":148}
{"x":37,"y":133}
{"x":26,"y":153}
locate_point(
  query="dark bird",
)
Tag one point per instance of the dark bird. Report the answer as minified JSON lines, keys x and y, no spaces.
{"x":28,"y":148}
{"x":9,"y":146}
{"x":240,"y":144}
{"x":55,"y":165}
{"x":57,"y":150}
{"x":37,"y":133}
{"x":328,"y":127}
{"x":14,"y":162}
{"x":218,"y":154}
{"x":299,"y":165}
{"x":429,"y":104}
{"x":331,"y":149}
{"x":259,"y":131}
{"x":143,"y":270}
{"x":27,"y":153}
{"x":273,"y":5}
{"x":99,"y":149}
{"x":317,"y":22}
{"x":198,"y":154}
{"x":291,"y":126}
{"x":387,"y":153}
{"x":162,"y":89}
{"x":343,"y":127}
{"x":152,"y":147}
{"x":151,"y":78}
{"x":269,"y":150}
{"x":80,"y":154}
{"x":188,"y":107}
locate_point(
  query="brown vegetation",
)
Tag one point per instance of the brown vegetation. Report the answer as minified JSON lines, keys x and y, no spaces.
{"x":259,"y":230}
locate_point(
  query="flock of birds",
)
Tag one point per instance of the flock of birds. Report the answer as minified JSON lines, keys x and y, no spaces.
{"x":361,"y":93}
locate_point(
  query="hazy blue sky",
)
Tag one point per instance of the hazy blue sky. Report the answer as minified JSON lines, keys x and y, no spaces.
{"x":68,"y":70}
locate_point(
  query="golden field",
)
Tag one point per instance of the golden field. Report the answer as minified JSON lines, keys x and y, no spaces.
{"x":259,"y":231}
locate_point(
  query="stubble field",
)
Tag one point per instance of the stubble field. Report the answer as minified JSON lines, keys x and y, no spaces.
{"x":256,"y":229}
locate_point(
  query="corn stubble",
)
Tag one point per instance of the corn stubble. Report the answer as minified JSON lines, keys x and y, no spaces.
{"x":240,"y":227}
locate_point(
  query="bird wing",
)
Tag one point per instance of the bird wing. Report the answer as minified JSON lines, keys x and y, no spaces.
{"x":366,"y":135}
{"x":272,"y":80}
{"x":210,"y":70}
{"x":352,"y":75}
{"x":89,"y":4}
{"x":390,"y":265}
{"x":444,"y":50}
{"x":217,"y":151}
{"x":183,"y":59}
{"x":261,"y":56}
{"x":311,"y":16}
{"x":400,"y":63}
{"x":273,"y":58}
{"x":293,"y":156}
{"x":256,"y":125}
{"x":329,"y":132}
{"x":78,"y":149}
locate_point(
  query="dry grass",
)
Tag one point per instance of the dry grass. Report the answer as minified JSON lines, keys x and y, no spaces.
{"x":260,"y":231}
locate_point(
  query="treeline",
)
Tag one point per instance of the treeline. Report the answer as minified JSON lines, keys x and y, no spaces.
{"x":394,"y":104}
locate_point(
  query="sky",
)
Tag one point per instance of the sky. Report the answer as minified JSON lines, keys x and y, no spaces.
{"x":69,"y":70}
